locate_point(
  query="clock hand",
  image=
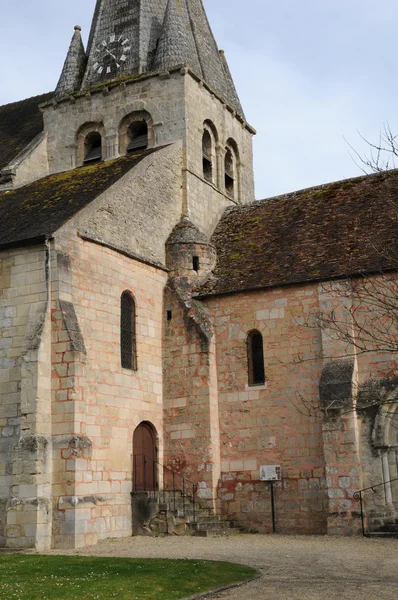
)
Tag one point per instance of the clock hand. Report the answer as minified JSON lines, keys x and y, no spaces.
{"x":110,"y":54}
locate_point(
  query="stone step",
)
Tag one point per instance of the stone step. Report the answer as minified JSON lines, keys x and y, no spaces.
{"x":211,"y":526}
{"x":382,"y":534}
{"x":391,"y":528}
{"x":188,"y":511}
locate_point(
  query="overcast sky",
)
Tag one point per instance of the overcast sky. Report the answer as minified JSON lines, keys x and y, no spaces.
{"x":309,"y":73}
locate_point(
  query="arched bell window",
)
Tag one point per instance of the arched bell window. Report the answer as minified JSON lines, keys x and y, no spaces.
{"x":128,"y":342}
{"x":137,"y":134}
{"x":207,"y":151}
{"x":255,"y":358}
{"x":229,"y":169}
{"x":92,"y":148}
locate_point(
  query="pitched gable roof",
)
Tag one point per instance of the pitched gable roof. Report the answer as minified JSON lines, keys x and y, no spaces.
{"x":37,"y":210}
{"x":336,"y":230}
{"x":20,"y":123}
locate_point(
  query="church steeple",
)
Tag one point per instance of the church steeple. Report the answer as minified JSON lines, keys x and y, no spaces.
{"x":74,"y":66}
{"x":132,"y":37}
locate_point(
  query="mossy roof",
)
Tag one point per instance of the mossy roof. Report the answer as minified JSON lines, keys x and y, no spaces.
{"x":20,"y":123}
{"x":335,"y":230}
{"x":37,"y":210}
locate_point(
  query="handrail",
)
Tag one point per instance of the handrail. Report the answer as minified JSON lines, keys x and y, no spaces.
{"x":373,"y":486}
{"x":144,"y":484}
{"x":358,"y":496}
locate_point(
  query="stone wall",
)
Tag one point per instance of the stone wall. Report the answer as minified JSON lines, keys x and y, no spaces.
{"x":97,"y":405}
{"x":162,"y":98}
{"x":33,"y":163}
{"x":25,"y":467}
{"x":277,"y":423}
{"x":138,"y":213}
{"x":177,"y":106}
{"x":206,"y":201}
{"x":191,"y":419}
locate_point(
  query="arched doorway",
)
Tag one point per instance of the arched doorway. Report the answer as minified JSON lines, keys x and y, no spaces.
{"x":145,"y":466}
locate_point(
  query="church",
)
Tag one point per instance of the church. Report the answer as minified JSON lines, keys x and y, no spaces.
{"x":157,"y":320}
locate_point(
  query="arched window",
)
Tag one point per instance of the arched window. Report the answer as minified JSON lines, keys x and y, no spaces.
{"x":128,"y":345}
{"x":92,"y":148}
{"x":207,"y":151}
{"x":137,"y":136}
{"x":135,"y":132}
{"x":255,"y":358}
{"x":229,"y":169}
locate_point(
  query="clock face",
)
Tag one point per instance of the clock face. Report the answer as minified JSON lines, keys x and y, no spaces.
{"x":111,"y":54}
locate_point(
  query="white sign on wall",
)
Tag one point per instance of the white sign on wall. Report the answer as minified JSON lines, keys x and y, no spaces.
{"x":270,"y":473}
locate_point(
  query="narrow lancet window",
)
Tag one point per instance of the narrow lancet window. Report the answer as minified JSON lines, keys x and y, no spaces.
{"x":93,"y":148}
{"x":255,"y":358}
{"x":207,"y":150}
{"x":229,"y":173}
{"x":128,"y":345}
{"x":137,"y":136}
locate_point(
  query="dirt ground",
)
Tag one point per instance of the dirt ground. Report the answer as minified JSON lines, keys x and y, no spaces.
{"x":292,"y":567}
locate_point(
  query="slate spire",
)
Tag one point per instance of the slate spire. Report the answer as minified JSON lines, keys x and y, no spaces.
{"x":215,"y":69}
{"x":176,"y":44}
{"x":74,"y":66}
{"x":130,"y":37}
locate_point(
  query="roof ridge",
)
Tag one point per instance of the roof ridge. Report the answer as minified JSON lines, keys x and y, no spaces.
{"x":312,"y":188}
{"x":26,"y":99}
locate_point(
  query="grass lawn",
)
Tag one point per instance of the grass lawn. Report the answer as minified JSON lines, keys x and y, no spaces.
{"x":32,"y":577}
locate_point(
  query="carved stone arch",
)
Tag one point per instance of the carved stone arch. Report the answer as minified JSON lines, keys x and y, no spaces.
{"x":82,"y":134}
{"x":127,"y":124}
{"x":385,"y":433}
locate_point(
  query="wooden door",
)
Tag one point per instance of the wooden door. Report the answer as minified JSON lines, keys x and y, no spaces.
{"x":145,"y":466}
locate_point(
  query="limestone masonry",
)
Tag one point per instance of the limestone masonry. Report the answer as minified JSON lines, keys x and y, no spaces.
{"x":156,"y":321}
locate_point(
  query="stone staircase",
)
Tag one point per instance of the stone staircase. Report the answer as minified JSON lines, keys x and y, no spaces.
{"x":171,"y":513}
{"x":386,"y":531}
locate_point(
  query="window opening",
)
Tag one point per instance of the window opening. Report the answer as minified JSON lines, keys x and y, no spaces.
{"x":137,"y":136}
{"x":93,"y":148}
{"x":229,"y":173}
{"x":255,"y":358}
{"x":207,"y":157}
{"x":128,"y":348}
{"x":195,"y":263}
{"x":169,"y":315}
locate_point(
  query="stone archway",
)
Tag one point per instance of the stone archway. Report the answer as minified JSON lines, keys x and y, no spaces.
{"x":145,"y":467}
{"x":385,"y":440}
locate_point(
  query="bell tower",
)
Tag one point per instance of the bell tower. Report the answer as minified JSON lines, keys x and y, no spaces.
{"x":154,"y":67}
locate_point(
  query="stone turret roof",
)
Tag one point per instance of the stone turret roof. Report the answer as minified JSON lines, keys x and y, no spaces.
{"x":332,"y":231}
{"x":35,"y":211}
{"x":74,"y":67}
{"x":185,"y":232}
{"x":176,"y":44}
{"x":20,"y":123}
{"x":159,"y":35}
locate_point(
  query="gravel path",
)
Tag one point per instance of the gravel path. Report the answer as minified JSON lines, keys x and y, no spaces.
{"x":292,"y":567}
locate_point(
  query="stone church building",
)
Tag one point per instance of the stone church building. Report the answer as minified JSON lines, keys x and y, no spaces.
{"x":153,"y":314}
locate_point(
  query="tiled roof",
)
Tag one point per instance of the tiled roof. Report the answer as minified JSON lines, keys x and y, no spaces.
{"x":20,"y":122}
{"x":336,"y":230}
{"x":37,"y":210}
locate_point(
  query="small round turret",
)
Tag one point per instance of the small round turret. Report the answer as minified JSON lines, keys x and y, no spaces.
{"x":188,"y":252}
